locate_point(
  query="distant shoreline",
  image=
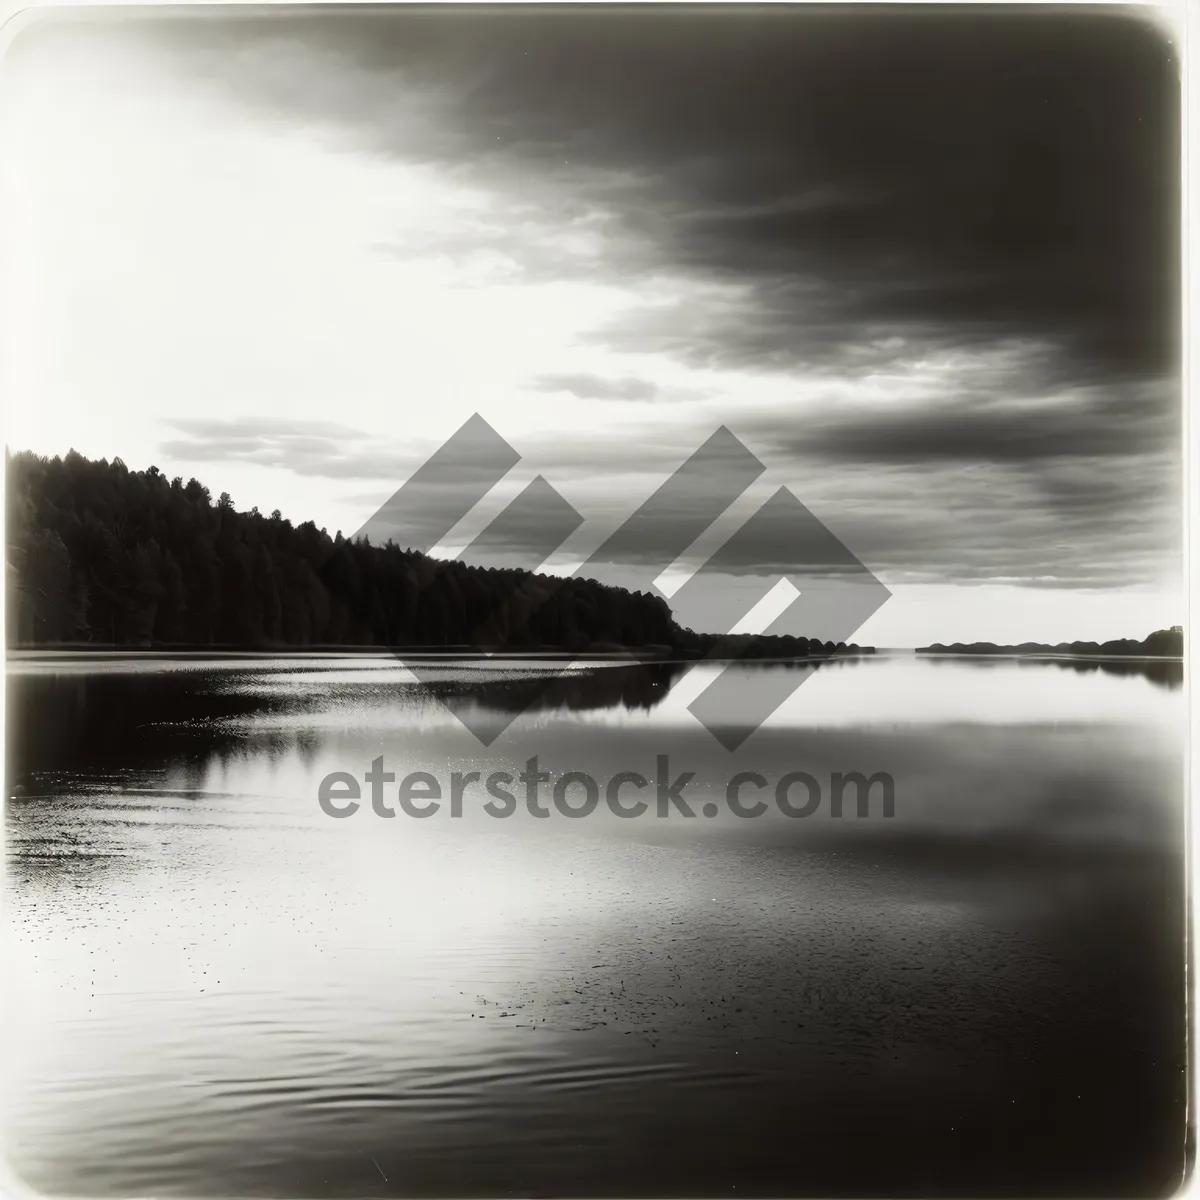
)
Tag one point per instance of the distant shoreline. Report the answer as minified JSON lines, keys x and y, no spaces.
{"x":629,"y":654}
{"x":1161,"y":644}
{"x":425,"y":652}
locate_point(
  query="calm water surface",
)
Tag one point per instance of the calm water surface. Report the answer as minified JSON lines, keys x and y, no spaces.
{"x":216,"y":989}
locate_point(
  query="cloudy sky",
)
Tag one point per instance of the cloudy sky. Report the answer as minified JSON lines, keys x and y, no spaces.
{"x":923,"y":266}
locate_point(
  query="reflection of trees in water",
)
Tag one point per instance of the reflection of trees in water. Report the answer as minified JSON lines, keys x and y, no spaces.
{"x":140,"y":740}
{"x":115,"y":723}
{"x":632,"y":686}
{"x":116,"y":720}
{"x":1166,"y":672}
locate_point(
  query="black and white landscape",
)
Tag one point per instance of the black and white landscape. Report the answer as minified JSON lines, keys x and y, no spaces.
{"x":593,"y":603}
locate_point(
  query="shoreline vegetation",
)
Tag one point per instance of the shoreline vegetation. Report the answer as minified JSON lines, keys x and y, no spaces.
{"x":101,"y":558}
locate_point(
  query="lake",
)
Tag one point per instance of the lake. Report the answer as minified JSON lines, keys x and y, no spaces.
{"x":217,"y":989}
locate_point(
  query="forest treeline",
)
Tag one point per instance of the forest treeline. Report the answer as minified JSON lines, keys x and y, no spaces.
{"x":100,"y":554}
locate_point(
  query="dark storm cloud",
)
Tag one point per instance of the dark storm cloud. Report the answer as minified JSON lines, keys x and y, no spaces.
{"x":1090,"y":425}
{"x":834,"y":194}
{"x":974,"y":511}
{"x":956,"y":175}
